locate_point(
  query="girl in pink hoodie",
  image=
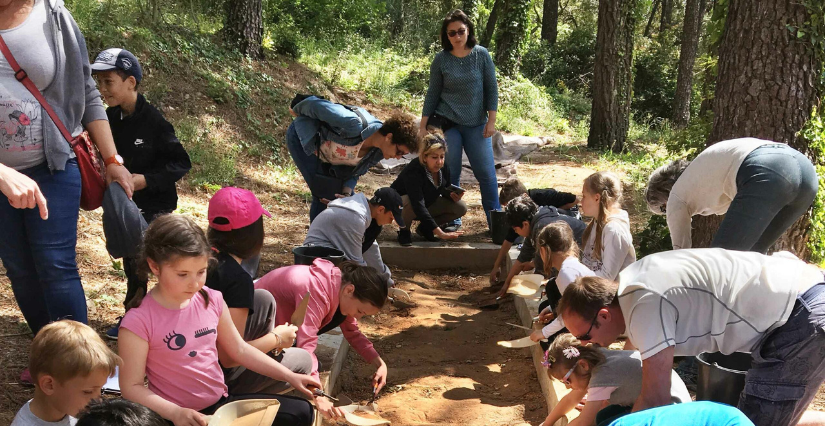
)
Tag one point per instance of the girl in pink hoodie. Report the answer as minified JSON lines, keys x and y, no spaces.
{"x":339,"y":296}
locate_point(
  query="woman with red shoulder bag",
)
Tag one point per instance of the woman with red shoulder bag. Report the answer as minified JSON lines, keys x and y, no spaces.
{"x":40,"y":180}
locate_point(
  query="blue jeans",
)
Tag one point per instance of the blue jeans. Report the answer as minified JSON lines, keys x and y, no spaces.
{"x":775,"y":186}
{"x":39,"y":255}
{"x":308,"y":166}
{"x":480,"y":153}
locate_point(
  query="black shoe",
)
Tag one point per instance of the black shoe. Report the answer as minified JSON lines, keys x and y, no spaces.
{"x":427,"y":235}
{"x":405,"y":238}
{"x":450,"y":228}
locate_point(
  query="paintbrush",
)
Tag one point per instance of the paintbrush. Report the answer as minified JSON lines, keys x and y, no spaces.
{"x":518,"y":326}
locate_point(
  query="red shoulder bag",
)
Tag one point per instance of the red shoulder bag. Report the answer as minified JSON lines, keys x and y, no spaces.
{"x":91,"y":167}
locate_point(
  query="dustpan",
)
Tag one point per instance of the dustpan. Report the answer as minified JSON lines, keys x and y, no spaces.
{"x":249,"y":412}
{"x":526,"y":285}
{"x":524,"y":342}
{"x":350,"y":409}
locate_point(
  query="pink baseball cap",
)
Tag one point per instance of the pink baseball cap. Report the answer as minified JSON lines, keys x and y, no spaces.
{"x":239,"y":207}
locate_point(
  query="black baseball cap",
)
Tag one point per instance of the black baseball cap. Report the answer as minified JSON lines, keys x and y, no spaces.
{"x":390,"y":200}
{"x":118,"y":59}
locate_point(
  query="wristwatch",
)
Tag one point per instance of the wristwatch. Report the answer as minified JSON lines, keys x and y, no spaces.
{"x":115,"y":159}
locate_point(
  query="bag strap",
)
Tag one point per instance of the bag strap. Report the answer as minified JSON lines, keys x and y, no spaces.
{"x":23,"y":78}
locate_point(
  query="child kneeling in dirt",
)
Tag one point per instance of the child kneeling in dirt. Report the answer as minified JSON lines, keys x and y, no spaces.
{"x":527,"y":219}
{"x":612,"y":380}
{"x":69,"y":364}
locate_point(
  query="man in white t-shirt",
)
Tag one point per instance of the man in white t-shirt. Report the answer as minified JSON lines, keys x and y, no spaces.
{"x":684,"y":302}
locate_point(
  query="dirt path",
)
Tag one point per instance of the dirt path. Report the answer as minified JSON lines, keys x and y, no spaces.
{"x":444,"y":365}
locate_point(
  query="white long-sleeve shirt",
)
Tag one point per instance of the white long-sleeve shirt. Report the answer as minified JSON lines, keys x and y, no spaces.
{"x":707,"y":186}
{"x":571,"y":269}
{"x":617,"y":247}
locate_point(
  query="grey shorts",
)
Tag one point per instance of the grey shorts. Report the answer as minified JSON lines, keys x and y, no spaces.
{"x":789,"y":367}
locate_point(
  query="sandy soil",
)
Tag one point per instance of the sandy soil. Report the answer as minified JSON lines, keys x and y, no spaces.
{"x":444,"y":365}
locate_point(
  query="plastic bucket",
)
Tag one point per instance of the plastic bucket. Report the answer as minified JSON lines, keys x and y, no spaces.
{"x":499,"y":226}
{"x":721,"y":377}
{"x":304,"y":255}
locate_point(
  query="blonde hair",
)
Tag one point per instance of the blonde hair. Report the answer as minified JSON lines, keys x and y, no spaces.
{"x":67,"y":349}
{"x":433,"y":141}
{"x":557,"y":237}
{"x":609,"y":188}
{"x":566,"y":351}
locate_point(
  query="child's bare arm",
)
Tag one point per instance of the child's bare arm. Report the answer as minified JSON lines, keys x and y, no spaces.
{"x":588,"y":415}
{"x":242,"y":353}
{"x":565,"y":405}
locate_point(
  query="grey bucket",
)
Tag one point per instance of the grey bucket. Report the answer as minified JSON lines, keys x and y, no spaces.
{"x":721,"y":378}
{"x":304,"y":255}
{"x":498,"y":226}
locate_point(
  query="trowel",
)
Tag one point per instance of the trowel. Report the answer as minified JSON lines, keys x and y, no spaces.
{"x":297,"y":318}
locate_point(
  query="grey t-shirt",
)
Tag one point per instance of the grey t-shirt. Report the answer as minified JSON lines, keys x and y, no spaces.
{"x":623,"y":370}
{"x":25,"y":417}
{"x":21,"y":117}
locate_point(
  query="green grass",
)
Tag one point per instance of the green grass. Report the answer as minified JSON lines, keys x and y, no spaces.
{"x":387,"y":75}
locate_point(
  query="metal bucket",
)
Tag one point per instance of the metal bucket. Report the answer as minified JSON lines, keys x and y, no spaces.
{"x":304,"y":255}
{"x":498,"y":226}
{"x":721,"y":377}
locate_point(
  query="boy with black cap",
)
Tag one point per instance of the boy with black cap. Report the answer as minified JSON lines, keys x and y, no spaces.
{"x":147,"y":145}
{"x":351,"y":225}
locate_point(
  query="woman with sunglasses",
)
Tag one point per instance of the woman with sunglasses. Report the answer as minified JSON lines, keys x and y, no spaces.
{"x":612,"y":380}
{"x":462,"y":100}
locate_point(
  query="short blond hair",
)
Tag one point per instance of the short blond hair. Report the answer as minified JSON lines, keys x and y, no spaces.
{"x":67,"y":349}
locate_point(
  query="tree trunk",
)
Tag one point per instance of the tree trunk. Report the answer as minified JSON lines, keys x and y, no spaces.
{"x":653,"y":8}
{"x":511,"y":36}
{"x":612,"y":75}
{"x":687,"y":58}
{"x":666,"y":20}
{"x":766,"y":88}
{"x":491,"y":23}
{"x":244,"y":26}
{"x":550,"y":21}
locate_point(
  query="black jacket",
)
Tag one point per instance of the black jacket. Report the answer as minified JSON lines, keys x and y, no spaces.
{"x":543,"y":217}
{"x":413,"y":182}
{"x":148,"y":145}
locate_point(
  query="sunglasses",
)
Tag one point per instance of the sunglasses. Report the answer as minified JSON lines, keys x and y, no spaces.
{"x":586,"y":336}
{"x":566,"y":378}
{"x":454,"y":33}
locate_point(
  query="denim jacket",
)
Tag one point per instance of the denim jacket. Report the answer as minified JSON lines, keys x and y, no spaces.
{"x":335,"y":123}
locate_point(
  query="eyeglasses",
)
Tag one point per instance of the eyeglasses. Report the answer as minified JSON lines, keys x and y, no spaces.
{"x":586,"y":336}
{"x":566,"y":378}
{"x":454,"y":33}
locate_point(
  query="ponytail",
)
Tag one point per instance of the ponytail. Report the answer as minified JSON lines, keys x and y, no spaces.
{"x":557,"y":237}
{"x":609,"y":188}
{"x":370,"y":287}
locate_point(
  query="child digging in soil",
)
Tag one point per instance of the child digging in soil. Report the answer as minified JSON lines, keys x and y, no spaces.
{"x":612,"y":380}
{"x":175,"y":336}
{"x":558,"y":251}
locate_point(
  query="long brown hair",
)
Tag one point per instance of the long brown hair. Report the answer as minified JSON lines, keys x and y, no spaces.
{"x":370,"y":287}
{"x":557,"y":237}
{"x":609,"y":188}
{"x":169,"y":237}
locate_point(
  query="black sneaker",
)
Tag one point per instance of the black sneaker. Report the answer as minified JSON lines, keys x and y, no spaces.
{"x":112,"y":332}
{"x":405,"y":238}
{"x":427,"y":235}
{"x":452,"y":227}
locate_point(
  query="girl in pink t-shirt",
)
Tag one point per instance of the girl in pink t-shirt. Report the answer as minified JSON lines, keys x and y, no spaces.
{"x":180,"y":329}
